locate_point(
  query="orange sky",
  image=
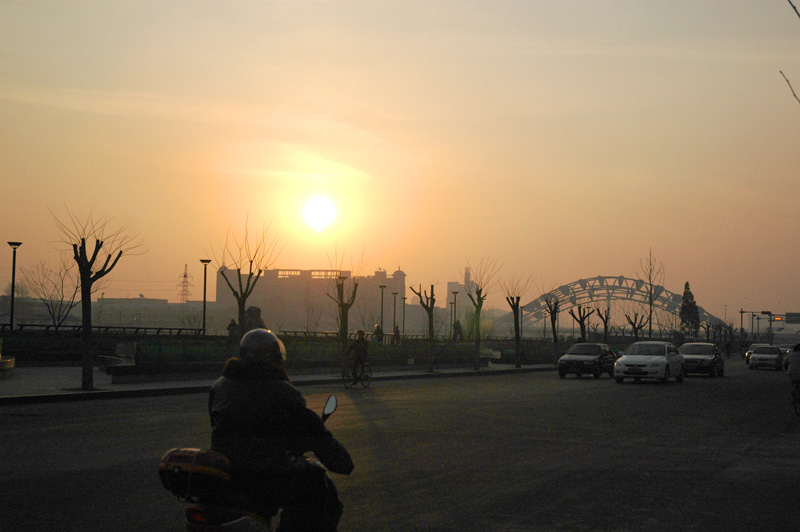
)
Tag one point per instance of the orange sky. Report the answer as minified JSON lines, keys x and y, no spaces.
{"x":564,"y":138}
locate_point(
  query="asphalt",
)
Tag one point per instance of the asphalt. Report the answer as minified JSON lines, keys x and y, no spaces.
{"x":27,"y":385}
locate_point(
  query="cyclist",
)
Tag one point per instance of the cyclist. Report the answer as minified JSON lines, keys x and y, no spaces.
{"x":360,"y":350}
{"x":792,"y":365}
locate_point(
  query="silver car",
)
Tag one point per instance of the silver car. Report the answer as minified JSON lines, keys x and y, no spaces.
{"x":766,"y":356}
{"x":650,"y":360}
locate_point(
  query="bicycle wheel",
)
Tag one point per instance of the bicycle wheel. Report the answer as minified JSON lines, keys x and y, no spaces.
{"x":347,"y":377}
{"x":366,"y":376}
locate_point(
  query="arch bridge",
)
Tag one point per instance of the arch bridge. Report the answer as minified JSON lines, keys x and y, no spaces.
{"x":601,"y":291}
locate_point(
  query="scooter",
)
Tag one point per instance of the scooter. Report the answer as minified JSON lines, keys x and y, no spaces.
{"x":203,"y":479}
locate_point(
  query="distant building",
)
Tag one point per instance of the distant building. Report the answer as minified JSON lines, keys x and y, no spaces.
{"x":298,"y":300}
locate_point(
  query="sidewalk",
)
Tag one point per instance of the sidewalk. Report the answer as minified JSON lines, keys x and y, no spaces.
{"x":55,"y":384}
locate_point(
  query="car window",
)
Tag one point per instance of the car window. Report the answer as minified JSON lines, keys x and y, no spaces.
{"x":697,"y":349}
{"x":765,"y":350}
{"x":645,"y":350}
{"x":583,"y":349}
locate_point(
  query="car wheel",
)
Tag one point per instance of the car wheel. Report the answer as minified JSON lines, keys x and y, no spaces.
{"x":752,"y":367}
{"x":596,"y":374}
{"x":562,"y":373}
{"x":679,"y":378}
{"x":713,"y":372}
{"x":619,"y":379}
{"x":666,"y":374}
{"x":611,"y":373}
{"x":722,"y":371}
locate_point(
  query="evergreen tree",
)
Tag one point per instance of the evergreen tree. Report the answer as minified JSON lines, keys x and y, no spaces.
{"x":690,"y":315}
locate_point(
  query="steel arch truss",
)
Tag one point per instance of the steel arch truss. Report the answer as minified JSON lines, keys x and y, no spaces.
{"x":600,"y":291}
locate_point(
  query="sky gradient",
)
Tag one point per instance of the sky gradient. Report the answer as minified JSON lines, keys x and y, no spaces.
{"x":566,"y":139}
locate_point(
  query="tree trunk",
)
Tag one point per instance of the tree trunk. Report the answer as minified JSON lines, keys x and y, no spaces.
{"x":87,"y":362}
{"x":517,"y":339}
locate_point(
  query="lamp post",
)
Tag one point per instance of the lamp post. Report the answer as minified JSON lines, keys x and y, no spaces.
{"x":14,"y":246}
{"x":394,"y":312}
{"x":205,"y":280}
{"x":382,"y":287}
{"x":404,"y":314}
{"x":455,"y":306}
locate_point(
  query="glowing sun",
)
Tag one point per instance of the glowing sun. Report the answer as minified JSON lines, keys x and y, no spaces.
{"x":319,"y":212}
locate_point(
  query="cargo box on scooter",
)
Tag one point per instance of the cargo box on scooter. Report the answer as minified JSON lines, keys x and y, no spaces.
{"x":193,"y":474}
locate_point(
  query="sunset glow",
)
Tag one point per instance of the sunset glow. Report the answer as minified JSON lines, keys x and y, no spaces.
{"x":566,"y":139}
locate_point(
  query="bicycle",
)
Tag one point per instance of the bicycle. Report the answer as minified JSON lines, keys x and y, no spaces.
{"x":363,"y":375}
{"x":796,"y":397}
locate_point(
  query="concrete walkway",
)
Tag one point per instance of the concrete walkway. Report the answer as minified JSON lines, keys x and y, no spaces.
{"x":54,"y":384}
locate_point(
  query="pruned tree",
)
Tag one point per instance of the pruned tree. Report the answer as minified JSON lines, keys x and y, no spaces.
{"x":241,"y":261}
{"x":343,"y":292}
{"x":581,"y":317}
{"x":689,"y":313}
{"x":428,"y":302}
{"x":56,"y":289}
{"x":552,"y":308}
{"x":637,"y":322}
{"x":605,"y":317}
{"x":653,"y":276}
{"x":478,"y":288}
{"x":97,"y":250}
{"x":514,"y":288}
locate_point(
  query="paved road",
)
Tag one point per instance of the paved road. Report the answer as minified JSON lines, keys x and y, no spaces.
{"x":524,"y":452}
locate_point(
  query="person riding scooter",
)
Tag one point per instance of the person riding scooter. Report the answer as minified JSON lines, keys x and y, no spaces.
{"x":260,"y":421}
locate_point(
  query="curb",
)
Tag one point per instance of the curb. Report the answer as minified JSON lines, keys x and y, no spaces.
{"x":300,"y":381}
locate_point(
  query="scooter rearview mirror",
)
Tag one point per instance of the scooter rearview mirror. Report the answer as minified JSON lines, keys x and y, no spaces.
{"x":330,"y":407}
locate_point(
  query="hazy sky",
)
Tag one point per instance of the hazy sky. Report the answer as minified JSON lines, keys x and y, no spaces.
{"x":565,"y":139}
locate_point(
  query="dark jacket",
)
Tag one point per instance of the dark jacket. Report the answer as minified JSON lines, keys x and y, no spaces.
{"x":261,"y":422}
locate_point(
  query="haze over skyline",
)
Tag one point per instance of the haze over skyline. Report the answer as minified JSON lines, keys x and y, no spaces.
{"x":564,"y":139}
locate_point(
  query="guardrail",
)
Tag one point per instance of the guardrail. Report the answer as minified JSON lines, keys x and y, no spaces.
{"x":167,"y":331}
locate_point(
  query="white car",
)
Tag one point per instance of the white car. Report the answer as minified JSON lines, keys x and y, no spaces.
{"x":650,"y":360}
{"x":766,"y":356}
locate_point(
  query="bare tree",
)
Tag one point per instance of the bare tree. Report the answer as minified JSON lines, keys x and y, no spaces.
{"x":242,"y":261}
{"x":478,"y":288}
{"x":56,"y":289}
{"x":552,"y":308}
{"x":605,"y":317}
{"x":94,"y":262}
{"x":637,"y":323}
{"x":428,"y":303}
{"x":581,"y":317}
{"x":514,"y":288}
{"x":339,"y":293}
{"x":653,"y":276}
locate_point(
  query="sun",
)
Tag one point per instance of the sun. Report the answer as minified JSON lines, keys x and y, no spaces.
{"x":319,"y":212}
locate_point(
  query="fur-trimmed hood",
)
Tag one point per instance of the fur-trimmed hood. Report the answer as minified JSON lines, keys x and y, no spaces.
{"x":253,"y":370}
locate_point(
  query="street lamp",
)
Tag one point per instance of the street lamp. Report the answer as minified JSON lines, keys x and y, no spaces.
{"x":14,"y":246}
{"x":455,"y":307}
{"x":205,"y":280}
{"x":394,"y":312}
{"x":382,"y":287}
{"x":404,"y":314}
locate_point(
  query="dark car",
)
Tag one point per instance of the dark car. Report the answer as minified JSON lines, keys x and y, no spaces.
{"x":586,"y":358}
{"x":703,"y":357}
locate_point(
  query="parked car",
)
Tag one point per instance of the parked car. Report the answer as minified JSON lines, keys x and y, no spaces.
{"x":702,"y":357}
{"x":749,"y":351}
{"x":767,"y":356}
{"x":650,"y":360}
{"x":585,"y":358}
